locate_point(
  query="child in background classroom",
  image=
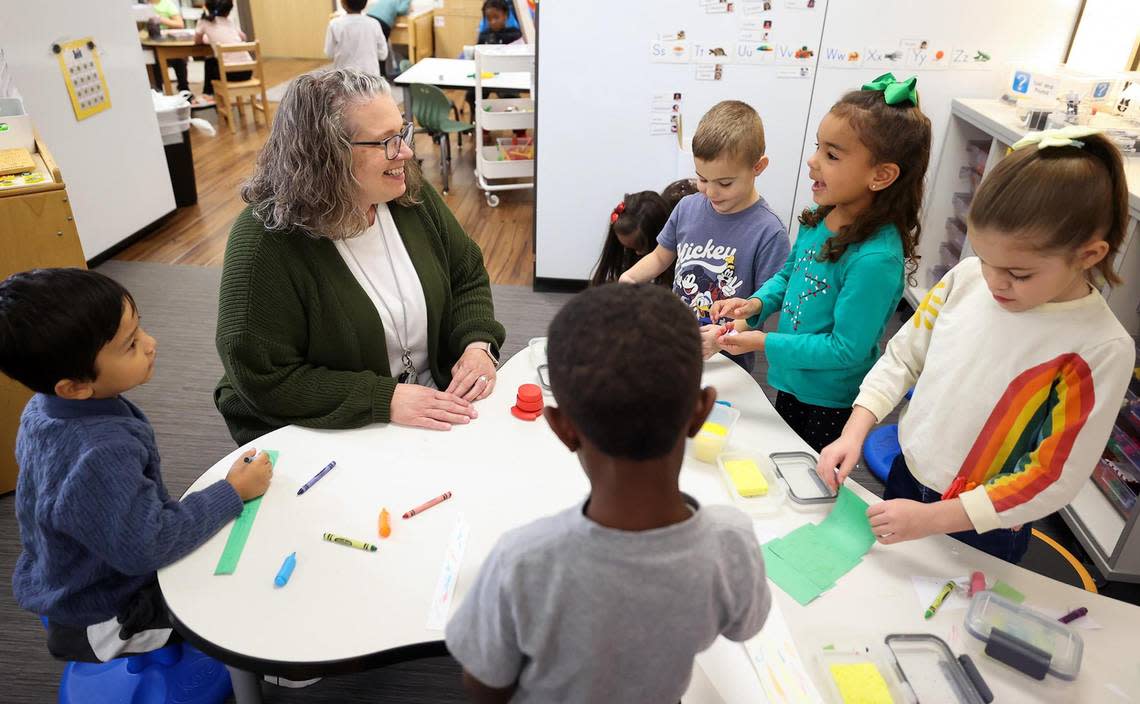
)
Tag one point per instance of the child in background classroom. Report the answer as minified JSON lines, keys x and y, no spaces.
{"x":611,"y":599}
{"x":496,"y":13}
{"x":356,"y":41}
{"x":96,"y":521}
{"x":725,"y":240}
{"x":634,"y":225}
{"x":386,"y":11}
{"x":677,"y":190}
{"x":216,"y":27}
{"x":845,"y":277}
{"x":170,"y":17}
{"x":993,"y":442}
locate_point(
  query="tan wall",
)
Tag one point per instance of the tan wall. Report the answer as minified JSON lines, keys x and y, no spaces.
{"x":291,"y":28}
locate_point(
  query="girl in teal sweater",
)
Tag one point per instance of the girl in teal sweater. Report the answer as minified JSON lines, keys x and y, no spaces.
{"x":845,"y":274}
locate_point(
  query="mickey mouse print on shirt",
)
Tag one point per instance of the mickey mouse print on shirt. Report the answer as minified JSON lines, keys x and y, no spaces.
{"x":719,"y":255}
{"x":705,"y":274}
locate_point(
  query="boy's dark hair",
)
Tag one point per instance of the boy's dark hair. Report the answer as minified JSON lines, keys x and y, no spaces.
{"x":356,"y":6}
{"x":730,"y":128}
{"x":625,"y":368}
{"x":645,"y":213}
{"x":53,"y":322}
{"x":500,"y":5}
{"x":894,"y":134}
{"x":217,"y":8}
{"x":677,"y":190}
{"x":1060,"y":196}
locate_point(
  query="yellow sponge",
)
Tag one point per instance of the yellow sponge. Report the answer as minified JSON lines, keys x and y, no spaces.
{"x":747,"y":478}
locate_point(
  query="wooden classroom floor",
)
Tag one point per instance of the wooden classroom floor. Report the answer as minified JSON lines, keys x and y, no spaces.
{"x":197,"y":235}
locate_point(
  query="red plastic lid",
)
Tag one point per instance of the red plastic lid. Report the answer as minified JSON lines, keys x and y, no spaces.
{"x":529,"y":407}
{"x":530,"y":393}
{"x":524,"y":415}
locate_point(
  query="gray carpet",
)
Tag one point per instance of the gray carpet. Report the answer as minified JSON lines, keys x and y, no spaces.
{"x":178,"y":305}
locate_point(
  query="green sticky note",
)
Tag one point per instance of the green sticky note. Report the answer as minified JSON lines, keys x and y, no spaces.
{"x":794,"y":583}
{"x":1003,"y":589}
{"x":239,"y":533}
{"x":847,"y":527}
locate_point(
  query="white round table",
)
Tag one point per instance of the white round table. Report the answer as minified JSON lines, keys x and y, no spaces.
{"x":346,"y":610}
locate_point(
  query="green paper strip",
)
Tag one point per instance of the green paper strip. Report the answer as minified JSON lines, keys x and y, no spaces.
{"x":847,"y":527}
{"x":809,"y":551}
{"x":1008,"y":592}
{"x":791,"y":580}
{"x":228,"y":562}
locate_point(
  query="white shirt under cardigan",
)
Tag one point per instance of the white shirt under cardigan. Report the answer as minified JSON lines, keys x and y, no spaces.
{"x":356,"y":41}
{"x":380,"y":263}
{"x":1019,"y":404}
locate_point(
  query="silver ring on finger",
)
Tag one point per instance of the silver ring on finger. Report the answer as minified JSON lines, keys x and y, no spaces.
{"x":483,"y":378}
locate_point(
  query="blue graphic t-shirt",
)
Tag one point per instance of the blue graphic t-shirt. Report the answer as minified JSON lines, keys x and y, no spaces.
{"x":722,"y":256}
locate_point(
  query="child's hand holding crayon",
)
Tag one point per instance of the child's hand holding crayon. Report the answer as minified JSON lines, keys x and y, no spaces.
{"x":735,"y":342}
{"x":735,"y":308}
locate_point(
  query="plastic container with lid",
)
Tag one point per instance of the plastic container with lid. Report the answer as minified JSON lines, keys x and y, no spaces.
{"x":930,"y":671}
{"x":712,"y":438}
{"x":757,"y":505}
{"x":859,"y":672}
{"x":797,"y":470}
{"x":1023,"y":638}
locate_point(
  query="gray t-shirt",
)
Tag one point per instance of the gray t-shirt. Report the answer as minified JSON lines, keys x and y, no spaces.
{"x":722,"y":256}
{"x":577,"y":612}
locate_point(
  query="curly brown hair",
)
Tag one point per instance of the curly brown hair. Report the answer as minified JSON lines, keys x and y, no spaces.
{"x":894,"y":134}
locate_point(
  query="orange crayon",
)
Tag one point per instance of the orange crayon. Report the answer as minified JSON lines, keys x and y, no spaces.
{"x":385,"y":526}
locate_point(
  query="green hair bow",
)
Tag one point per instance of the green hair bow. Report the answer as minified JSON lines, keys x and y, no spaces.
{"x":895,"y":92}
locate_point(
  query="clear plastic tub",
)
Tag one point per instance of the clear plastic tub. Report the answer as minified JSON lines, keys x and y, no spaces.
{"x":961,"y":203}
{"x":516,"y":148}
{"x":712,"y":438}
{"x":956,"y":232}
{"x":977,"y":154}
{"x":864,"y":669}
{"x":797,"y":469}
{"x":949,"y":254}
{"x":1023,"y":638}
{"x":757,"y":505}
{"x":968,"y":174}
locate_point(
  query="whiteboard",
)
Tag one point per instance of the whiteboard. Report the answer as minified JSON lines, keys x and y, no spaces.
{"x":113,"y":163}
{"x":596,"y":81}
{"x":1032,"y":31}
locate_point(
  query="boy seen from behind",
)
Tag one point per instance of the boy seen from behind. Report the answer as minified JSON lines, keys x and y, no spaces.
{"x":96,"y":521}
{"x":611,"y":599}
{"x":725,"y":238}
{"x":355,"y":40}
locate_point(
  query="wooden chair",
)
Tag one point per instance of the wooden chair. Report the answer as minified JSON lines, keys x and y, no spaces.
{"x":228,"y":94}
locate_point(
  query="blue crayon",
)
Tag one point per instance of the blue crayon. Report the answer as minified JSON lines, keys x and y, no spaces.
{"x":286,"y":570}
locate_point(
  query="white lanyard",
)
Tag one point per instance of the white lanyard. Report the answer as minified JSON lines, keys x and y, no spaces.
{"x":409,"y":375}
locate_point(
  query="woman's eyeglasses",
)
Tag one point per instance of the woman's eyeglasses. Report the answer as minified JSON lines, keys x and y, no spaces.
{"x":393,"y":144}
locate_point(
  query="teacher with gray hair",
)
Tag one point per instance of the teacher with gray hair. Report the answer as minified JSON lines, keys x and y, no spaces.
{"x":350,"y":295}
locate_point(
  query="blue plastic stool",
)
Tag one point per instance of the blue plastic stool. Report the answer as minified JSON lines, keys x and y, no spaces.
{"x":176,"y":674}
{"x":880,"y":450}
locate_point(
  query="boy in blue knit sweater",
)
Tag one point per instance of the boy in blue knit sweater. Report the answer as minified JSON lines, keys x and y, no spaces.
{"x":95,"y":520}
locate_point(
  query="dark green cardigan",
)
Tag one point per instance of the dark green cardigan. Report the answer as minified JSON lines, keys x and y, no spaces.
{"x":301,"y":342}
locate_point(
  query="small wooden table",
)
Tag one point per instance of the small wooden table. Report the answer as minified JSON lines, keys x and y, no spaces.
{"x":167,"y":49}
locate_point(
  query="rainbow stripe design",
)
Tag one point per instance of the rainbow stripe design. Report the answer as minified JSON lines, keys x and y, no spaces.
{"x":1026,"y":440}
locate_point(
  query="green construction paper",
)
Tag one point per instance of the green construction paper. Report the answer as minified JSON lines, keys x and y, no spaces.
{"x":807,"y":550}
{"x":847,"y":527}
{"x":1008,"y":592}
{"x":239,"y":533}
{"x":795,"y":584}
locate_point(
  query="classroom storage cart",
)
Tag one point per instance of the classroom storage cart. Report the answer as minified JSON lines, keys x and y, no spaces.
{"x":508,"y":164}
